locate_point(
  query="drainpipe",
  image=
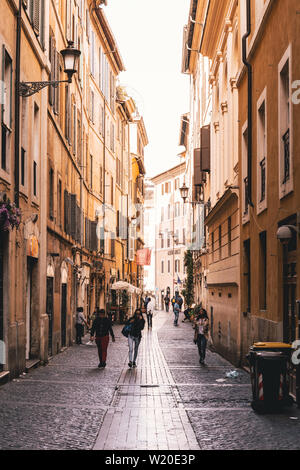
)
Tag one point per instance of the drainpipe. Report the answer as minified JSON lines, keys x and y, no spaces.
{"x":17,"y":105}
{"x":250,"y":87}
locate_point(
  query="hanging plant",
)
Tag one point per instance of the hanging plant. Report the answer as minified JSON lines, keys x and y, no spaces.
{"x":188,"y":291}
{"x":10,"y":215}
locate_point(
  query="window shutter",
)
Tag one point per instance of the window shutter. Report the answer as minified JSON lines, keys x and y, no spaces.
{"x":66,"y":211}
{"x":73,"y":216}
{"x":205,"y":148}
{"x":68,"y":20}
{"x":87,"y":233}
{"x":93,"y":241}
{"x":56,"y":77}
{"x":36,"y":15}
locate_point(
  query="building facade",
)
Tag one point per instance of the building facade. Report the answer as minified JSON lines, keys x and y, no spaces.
{"x":68,"y":164}
{"x":269,"y":170}
{"x":170,"y":235}
{"x":211,"y":56}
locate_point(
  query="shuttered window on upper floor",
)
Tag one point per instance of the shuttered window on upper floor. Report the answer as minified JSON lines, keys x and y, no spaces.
{"x":36,"y":12}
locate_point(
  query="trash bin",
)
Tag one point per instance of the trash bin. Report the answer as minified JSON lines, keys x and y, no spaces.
{"x":269,"y":365}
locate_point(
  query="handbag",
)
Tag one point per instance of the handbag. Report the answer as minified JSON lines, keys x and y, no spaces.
{"x":126,"y":330}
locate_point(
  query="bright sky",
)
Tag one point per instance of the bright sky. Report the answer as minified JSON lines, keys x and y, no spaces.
{"x":149,"y":37}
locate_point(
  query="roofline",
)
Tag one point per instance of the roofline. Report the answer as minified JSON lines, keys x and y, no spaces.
{"x":110,"y":38}
{"x":168,"y":171}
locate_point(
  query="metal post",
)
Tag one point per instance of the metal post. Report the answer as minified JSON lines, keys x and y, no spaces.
{"x":17,"y":105}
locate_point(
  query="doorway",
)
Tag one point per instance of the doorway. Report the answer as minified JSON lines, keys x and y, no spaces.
{"x":49,"y":311}
{"x":28,"y":309}
{"x":63,"y":315}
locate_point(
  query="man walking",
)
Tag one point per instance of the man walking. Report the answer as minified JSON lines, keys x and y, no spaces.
{"x":150,"y":310}
{"x":167,"y":302}
{"x":102,"y":327}
{"x":79,"y":324}
{"x":176,"y":310}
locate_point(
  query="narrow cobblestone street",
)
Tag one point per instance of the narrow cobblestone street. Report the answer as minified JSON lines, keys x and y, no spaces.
{"x":168,"y":402}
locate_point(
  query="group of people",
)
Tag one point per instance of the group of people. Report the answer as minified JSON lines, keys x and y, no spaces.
{"x":102,"y":328}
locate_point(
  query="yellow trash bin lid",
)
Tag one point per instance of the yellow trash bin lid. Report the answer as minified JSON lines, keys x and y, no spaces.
{"x":272,"y":345}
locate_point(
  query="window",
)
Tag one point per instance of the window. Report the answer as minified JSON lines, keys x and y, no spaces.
{"x":245,"y":193}
{"x":177,"y":209}
{"x":112,"y":190}
{"x":162,"y":215}
{"x":169,"y":211}
{"x":35,"y":11}
{"x":59,"y":199}
{"x":91,"y":171}
{"x":23,"y":166}
{"x":261,"y":154}
{"x":112,"y":137}
{"x":6,"y":98}
{"x":169,"y":266}
{"x":101,"y":179}
{"x":162,"y":267}
{"x":229,"y":235}
{"x":162,"y":190}
{"x":176,"y":183}
{"x":220,"y":242}
{"x":51,"y":194}
{"x":162,"y":241}
{"x":34,"y":178}
{"x":285,"y":126}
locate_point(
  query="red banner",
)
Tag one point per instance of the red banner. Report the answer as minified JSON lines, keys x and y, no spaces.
{"x":143,"y":257}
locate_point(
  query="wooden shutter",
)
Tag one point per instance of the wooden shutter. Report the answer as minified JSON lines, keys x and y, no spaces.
{"x":36,"y":8}
{"x":73,"y":216}
{"x":205,"y":149}
{"x":93,"y":236}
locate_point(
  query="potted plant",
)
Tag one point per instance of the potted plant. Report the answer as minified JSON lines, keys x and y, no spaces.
{"x":10,"y":215}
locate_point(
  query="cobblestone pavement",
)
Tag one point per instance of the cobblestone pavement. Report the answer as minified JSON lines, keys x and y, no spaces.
{"x":168,"y":402}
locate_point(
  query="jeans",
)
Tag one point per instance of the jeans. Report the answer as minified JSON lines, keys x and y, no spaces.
{"x":176,"y":315}
{"x":79,"y":332}
{"x":149,"y":319}
{"x":201,"y":343}
{"x":102,"y":344}
{"x":167,"y":307}
{"x":133,"y":342}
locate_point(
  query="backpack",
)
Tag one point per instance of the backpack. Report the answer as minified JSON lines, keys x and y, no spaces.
{"x":180,"y":301}
{"x":126,"y":330}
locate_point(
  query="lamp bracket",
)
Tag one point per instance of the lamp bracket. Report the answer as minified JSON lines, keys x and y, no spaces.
{"x":30,"y":88}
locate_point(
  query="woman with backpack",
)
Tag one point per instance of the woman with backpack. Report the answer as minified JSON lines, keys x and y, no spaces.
{"x":136,"y":324}
{"x":201,"y":334}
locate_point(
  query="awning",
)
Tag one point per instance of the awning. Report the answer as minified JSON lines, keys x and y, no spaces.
{"x":122,"y":285}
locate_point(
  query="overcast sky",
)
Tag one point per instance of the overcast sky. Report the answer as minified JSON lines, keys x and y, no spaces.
{"x":149,"y":37}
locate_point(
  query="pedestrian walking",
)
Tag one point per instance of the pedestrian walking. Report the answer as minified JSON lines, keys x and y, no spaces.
{"x":101,"y":328}
{"x":150,"y":310}
{"x":179,"y":300}
{"x":79,"y":324}
{"x":176,"y":310}
{"x":167,"y":302}
{"x":201,"y":334}
{"x":137,"y":324}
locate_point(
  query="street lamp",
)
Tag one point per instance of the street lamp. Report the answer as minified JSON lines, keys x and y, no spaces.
{"x":70,"y":57}
{"x":184,"y":191}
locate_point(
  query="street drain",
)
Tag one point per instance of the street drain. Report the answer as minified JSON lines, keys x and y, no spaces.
{"x":149,"y":386}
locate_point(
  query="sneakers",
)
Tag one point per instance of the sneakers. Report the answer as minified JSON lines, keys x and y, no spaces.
{"x":101,"y":364}
{"x":133,"y":364}
{"x":130,"y":364}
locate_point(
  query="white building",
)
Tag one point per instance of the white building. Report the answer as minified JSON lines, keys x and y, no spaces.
{"x":170,"y":232}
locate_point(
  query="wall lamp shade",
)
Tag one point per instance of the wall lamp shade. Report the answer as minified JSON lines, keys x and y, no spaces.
{"x":70,"y":57}
{"x":184,"y":191}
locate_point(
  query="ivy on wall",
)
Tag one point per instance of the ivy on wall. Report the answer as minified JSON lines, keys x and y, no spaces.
{"x":188,"y":291}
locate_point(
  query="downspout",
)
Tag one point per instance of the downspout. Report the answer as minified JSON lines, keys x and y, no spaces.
{"x":17,"y":106}
{"x":250,"y":88}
